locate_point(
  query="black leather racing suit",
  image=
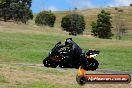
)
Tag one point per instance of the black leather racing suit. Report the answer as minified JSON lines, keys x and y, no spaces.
{"x":75,"y":50}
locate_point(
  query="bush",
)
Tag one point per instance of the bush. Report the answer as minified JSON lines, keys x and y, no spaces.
{"x":73,"y":23}
{"x":45,"y":18}
{"x":102,"y":27}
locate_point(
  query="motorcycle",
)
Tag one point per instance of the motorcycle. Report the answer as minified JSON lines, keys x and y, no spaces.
{"x":61,"y":56}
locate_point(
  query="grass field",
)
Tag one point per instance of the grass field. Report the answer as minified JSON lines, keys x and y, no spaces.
{"x":30,"y":44}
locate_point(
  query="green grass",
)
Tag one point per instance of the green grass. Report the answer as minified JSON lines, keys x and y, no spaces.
{"x":3,"y":80}
{"x":127,"y":37}
{"x":31,"y":44}
{"x":24,"y":47}
{"x":45,"y":84}
{"x":32,"y":48}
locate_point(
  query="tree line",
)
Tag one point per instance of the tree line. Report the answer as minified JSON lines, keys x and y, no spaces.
{"x":17,"y":10}
{"x":75,"y":23}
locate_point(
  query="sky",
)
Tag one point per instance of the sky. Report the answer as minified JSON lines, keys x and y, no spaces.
{"x":62,"y":5}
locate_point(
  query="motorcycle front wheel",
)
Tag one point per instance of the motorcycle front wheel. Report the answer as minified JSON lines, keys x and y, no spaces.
{"x":90,"y":64}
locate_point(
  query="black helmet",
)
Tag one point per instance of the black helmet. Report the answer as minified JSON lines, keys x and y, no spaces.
{"x":68,"y":41}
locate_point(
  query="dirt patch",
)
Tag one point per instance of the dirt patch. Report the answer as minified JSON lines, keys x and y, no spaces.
{"x":17,"y":75}
{"x":20,"y":76}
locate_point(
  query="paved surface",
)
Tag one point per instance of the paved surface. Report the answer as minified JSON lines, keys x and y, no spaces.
{"x":114,"y":71}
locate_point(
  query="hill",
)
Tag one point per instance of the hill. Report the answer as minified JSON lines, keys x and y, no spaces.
{"x":91,"y":15}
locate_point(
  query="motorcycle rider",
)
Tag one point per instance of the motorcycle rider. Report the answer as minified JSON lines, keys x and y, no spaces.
{"x":74,"y":49}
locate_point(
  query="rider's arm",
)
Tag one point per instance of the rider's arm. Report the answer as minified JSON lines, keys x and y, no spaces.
{"x":61,"y":46}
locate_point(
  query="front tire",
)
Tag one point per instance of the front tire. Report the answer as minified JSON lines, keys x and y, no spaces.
{"x":90,"y":64}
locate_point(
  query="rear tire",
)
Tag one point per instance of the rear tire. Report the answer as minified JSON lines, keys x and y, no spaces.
{"x":48,"y":63}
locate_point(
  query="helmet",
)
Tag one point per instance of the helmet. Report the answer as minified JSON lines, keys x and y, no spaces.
{"x":68,"y":42}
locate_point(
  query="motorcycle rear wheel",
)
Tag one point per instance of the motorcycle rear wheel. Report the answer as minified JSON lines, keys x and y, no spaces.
{"x":48,"y":63}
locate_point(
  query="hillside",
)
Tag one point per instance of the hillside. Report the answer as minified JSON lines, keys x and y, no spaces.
{"x":91,"y":15}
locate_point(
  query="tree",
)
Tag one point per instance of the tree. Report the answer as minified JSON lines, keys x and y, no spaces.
{"x":17,"y":10}
{"x":130,"y":4}
{"x":21,"y":11}
{"x":120,"y":24}
{"x":94,"y":28}
{"x":102,"y":26}
{"x":2,"y":1}
{"x":45,"y":18}
{"x":73,"y":23}
{"x":4,"y":9}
